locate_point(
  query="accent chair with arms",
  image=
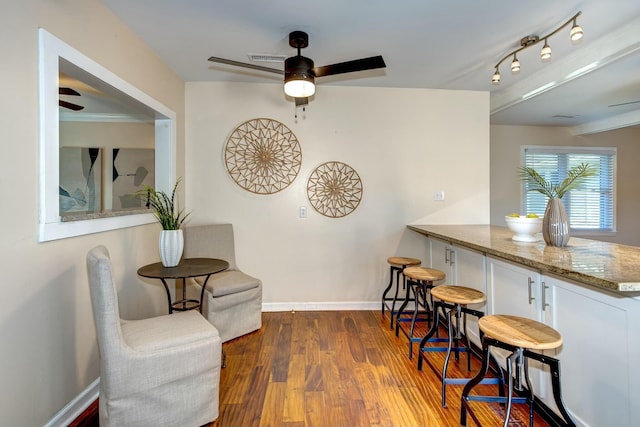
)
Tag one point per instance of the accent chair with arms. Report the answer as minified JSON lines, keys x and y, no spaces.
{"x":232,"y":300}
{"x":160,"y":371}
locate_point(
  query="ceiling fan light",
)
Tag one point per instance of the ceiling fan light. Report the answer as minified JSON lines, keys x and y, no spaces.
{"x":545,"y":53}
{"x":299,"y":88}
{"x":576,"y":33}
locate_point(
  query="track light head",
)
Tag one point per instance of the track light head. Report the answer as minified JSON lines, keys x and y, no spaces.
{"x":496,"y":77}
{"x":545,"y":53}
{"x":576,"y":33}
{"x":515,"y":64}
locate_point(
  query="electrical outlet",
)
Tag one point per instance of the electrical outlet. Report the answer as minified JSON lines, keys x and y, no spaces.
{"x":438,"y":196}
{"x":303,"y":212}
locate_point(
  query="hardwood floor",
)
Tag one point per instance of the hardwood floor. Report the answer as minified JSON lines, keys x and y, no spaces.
{"x":339,"y":368}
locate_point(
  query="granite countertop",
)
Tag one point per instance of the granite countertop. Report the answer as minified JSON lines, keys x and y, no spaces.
{"x":596,"y":263}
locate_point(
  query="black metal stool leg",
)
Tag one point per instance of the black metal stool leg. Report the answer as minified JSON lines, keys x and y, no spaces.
{"x":429,"y":334}
{"x":482,"y":372}
{"x":407,"y":297}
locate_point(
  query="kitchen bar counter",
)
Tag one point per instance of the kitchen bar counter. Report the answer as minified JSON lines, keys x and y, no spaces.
{"x":600,"y":264}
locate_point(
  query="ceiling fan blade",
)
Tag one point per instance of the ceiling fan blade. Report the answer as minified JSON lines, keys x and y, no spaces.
{"x":68,"y":91}
{"x":245,"y":65}
{"x":350,"y":66}
{"x":70,"y":106}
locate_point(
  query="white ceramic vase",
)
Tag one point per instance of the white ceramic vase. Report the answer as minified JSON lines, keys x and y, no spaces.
{"x":171,"y":245}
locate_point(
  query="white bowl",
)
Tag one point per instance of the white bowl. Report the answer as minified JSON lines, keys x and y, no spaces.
{"x":524,"y":228}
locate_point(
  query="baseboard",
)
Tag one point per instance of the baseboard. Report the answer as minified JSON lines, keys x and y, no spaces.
{"x":76,"y":407}
{"x":321,"y":306}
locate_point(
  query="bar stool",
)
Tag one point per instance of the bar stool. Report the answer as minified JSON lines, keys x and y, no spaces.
{"x":396,"y":265}
{"x":518,"y":335}
{"x":453,"y":300}
{"x":419,"y":283}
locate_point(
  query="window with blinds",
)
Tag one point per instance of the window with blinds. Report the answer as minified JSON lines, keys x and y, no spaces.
{"x":591,"y":207}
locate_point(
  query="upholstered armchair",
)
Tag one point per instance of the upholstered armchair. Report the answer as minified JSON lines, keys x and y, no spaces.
{"x":160,"y":371}
{"x":233,"y":300}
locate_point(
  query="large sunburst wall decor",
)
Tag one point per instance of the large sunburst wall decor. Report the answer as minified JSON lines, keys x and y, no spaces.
{"x":263,"y":156}
{"x":334,"y":189}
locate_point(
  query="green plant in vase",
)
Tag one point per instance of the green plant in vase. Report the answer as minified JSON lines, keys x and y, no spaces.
{"x":171,"y":217}
{"x":164,"y":206}
{"x":555,"y":224}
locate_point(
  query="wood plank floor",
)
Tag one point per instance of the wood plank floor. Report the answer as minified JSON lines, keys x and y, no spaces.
{"x":341,"y":368}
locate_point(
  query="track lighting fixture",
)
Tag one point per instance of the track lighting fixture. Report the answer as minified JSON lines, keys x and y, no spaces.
{"x":575,"y":35}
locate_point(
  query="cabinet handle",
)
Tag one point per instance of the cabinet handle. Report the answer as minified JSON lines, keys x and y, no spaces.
{"x":544,"y":296}
{"x":531,"y":297}
{"x":446,"y":255}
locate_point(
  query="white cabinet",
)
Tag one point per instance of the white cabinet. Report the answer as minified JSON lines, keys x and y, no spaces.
{"x":600,"y":341}
{"x":464,"y":267}
{"x":600,"y":382}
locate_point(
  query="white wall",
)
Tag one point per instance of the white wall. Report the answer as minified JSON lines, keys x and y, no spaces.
{"x":49,"y":353}
{"x":405,"y":144}
{"x":506,"y":142}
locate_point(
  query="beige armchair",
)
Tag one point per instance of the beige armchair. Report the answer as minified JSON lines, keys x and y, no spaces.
{"x":233,"y":299}
{"x":160,"y":371}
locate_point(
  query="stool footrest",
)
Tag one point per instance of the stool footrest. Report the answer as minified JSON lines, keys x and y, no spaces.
{"x":496,"y":399}
{"x":466,"y":380}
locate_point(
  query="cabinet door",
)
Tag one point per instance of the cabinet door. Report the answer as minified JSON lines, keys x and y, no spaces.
{"x":599,"y":379}
{"x":440,"y":256}
{"x":469,"y":270}
{"x":513,"y":289}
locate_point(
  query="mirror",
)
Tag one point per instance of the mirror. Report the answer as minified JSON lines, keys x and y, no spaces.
{"x":101,"y":140}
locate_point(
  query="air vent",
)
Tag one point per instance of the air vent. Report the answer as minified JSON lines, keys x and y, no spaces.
{"x":562,"y":116}
{"x":266,"y":57}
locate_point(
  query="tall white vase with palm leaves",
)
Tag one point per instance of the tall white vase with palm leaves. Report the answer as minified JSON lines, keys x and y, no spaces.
{"x":555,"y":224}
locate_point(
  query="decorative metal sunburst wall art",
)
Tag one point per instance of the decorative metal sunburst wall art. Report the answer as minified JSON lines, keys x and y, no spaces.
{"x":263,"y":156}
{"x":334,"y":189}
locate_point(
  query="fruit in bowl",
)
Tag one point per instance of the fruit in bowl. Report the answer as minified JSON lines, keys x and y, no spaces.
{"x":525,"y":227}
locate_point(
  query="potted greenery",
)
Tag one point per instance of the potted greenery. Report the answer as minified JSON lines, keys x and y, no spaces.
{"x":555,"y":224}
{"x":171,"y":218}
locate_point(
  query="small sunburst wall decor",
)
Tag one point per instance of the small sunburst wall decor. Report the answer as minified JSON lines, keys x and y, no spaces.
{"x":334,"y":189}
{"x":263,"y":156}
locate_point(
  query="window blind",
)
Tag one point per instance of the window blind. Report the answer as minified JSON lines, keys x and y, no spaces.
{"x":589,"y":207}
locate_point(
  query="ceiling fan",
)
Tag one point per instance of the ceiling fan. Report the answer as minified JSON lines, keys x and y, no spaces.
{"x":69,"y":105}
{"x":299,"y":72}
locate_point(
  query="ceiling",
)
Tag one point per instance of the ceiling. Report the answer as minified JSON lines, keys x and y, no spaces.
{"x":425,"y":44}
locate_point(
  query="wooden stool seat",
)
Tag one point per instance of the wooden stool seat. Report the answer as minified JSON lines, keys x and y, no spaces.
{"x":401,"y":261}
{"x":458,"y":294}
{"x":424,"y":274}
{"x":520,"y":332}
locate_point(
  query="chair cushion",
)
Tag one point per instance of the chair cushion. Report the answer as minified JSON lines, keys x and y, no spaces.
{"x":168,"y":331}
{"x":229,"y":282}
